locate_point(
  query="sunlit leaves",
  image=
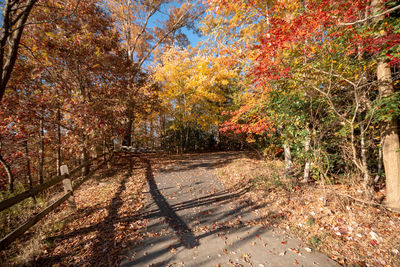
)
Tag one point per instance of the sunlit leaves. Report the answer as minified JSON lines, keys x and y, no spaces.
{"x":193,"y":86}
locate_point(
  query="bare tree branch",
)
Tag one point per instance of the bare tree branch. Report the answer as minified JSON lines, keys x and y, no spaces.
{"x":370,"y":17}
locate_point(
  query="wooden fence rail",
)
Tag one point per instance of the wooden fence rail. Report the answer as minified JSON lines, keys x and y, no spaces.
{"x":40,"y":188}
{"x":9,"y":238}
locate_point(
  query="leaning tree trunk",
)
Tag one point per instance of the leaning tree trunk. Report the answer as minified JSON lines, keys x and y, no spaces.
{"x":390,"y":136}
{"x":15,"y":13}
{"x":9,"y":173}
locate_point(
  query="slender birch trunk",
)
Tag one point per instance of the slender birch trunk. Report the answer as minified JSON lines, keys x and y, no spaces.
{"x":367,"y":178}
{"x":306,"y":175}
{"x":379,"y":171}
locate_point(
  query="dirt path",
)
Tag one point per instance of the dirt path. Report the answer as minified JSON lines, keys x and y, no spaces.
{"x":192,"y":220}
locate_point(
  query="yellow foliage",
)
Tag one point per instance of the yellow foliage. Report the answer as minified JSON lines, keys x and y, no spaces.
{"x":192,"y":85}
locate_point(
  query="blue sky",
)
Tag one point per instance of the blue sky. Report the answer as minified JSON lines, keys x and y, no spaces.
{"x":160,"y":16}
{"x":194,"y":38}
{"x":1,"y":12}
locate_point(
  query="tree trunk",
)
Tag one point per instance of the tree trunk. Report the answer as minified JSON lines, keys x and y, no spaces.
{"x":105,"y":150}
{"x":28,"y":165}
{"x":41,"y":152}
{"x":163,"y":130}
{"x":364,"y":163}
{"x":379,"y":171}
{"x":218,"y":139}
{"x":187,"y":145}
{"x":28,"y":168}
{"x":85,"y":158}
{"x":181,"y":140}
{"x":148,"y":127}
{"x":367,"y":178}
{"x":391,"y":163}
{"x":390,"y":136}
{"x":127,"y":141}
{"x":306,"y":175}
{"x":152,"y":134}
{"x":59,"y":160}
{"x":14,"y":16}
{"x":133,"y":135}
{"x":9,"y":173}
{"x":288,"y":159}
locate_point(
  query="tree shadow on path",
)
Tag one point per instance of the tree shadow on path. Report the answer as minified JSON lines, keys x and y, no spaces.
{"x":186,"y":237}
{"x":181,"y":229}
{"x":100,"y":242}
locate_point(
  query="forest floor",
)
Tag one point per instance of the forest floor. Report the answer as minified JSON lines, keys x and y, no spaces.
{"x":98,"y":231}
{"x":331,"y":218}
{"x":211,"y":209}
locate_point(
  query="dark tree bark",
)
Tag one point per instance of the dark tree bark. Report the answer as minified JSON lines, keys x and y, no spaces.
{"x":127,"y":141}
{"x":58,"y":159}
{"x":85,"y":157}
{"x":28,"y":165}
{"x":9,"y":173}
{"x":15,"y":15}
{"x":41,"y":152}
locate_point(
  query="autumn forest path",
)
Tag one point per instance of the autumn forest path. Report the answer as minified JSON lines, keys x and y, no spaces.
{"x":192,"y":220}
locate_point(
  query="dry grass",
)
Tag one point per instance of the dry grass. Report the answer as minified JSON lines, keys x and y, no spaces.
{"x":350,"y":232}
{"x":28,"y":247}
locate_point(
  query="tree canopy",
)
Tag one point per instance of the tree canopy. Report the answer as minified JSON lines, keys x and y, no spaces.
{"x":312,"y":81}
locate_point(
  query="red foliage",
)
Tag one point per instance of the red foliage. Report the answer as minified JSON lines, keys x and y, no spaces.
{"x":320,"y":21}
{"x":244,"y":121}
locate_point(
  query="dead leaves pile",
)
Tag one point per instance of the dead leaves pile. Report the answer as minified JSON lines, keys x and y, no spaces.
{"x":104,"y":225}
{"x":350,"y":232}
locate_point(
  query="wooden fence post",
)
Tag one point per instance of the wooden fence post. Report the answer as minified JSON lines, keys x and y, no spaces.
{"x":68,"y":186}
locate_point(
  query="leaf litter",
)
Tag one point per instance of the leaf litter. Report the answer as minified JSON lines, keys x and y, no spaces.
{"x":349,"y":232}
{"x":105,"y":224}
